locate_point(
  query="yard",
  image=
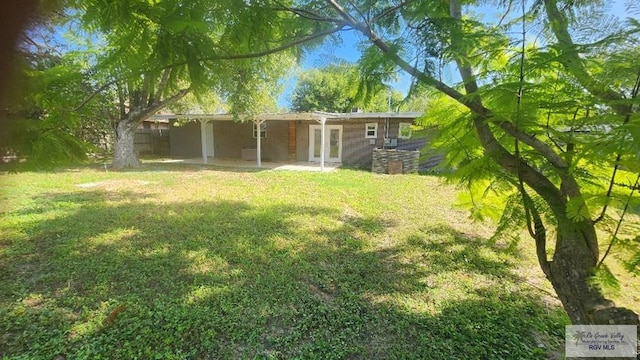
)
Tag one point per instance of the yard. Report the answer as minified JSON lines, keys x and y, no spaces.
{"x":205,"y":263}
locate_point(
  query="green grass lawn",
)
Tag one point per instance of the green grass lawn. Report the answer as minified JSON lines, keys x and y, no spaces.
{"x":211,"y":264}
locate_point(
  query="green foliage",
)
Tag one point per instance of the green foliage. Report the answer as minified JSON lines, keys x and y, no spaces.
{"x":605,"y":278}
{"x":330,"y":89}
{"x":340,"y":88}
{"x":41,"y":128}
{"x":132,"y":58}
{"x":545,"y":120}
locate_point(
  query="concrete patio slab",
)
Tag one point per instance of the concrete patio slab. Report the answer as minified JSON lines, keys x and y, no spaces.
{"x":266,"y":165}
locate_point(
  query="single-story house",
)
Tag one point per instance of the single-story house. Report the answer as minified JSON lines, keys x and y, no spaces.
{"x":345,"y":138}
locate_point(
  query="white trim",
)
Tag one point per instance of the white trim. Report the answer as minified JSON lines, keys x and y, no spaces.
{"x":367,"y":130}
{"x":258,"y":123}
{"x":404,"y":125}
{"x":325,"y":149}
{"x":293,"y":116}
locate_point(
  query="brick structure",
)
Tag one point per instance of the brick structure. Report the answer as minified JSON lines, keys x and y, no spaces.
{"x":382,"y":158}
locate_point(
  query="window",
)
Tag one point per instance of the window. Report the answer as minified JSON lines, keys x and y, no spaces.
{"x":404,"y":130}
{"x":371,"y":131}
{"x":263,"y":130}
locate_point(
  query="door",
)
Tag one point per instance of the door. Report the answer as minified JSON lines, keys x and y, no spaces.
{"x":332,"y":143}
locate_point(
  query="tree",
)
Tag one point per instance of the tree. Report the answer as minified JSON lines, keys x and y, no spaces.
{"x":338,"y":88}
{"x":530,"y":122}
{"x":37,"y":123}
{"x":146,"y":55}
{"x":155,"y":53}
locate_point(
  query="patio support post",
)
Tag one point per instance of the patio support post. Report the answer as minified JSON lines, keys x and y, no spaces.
{"x":323,"y":121}
{"x":258,"y":123}
{"x":203,"y":139}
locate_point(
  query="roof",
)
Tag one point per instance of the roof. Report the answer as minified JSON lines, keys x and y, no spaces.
{"x":316,"y":115}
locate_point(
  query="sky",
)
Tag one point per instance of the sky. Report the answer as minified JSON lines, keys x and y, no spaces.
{"x":348,"y":50}
{"x":330,"y":52}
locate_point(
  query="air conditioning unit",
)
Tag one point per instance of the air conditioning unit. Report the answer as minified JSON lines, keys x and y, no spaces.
{"x":391,"y":142}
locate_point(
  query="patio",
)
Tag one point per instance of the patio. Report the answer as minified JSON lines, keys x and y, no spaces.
{"x":265,"y":165}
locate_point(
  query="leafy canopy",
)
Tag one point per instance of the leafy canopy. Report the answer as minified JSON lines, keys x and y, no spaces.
{"x":338,"y":88}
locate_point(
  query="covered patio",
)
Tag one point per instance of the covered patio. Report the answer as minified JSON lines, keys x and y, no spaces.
{"x":207,"y":136}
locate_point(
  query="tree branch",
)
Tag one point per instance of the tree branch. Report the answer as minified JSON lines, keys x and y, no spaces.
{"x":532,"y":177}
{"x":140,"y":114}
{"x":388,"y":11}
{"x":571,"y":58}
{"x":220,"y":57}
{"x":166,"y":73}
{"x":624,"y":211}
{"x":544,"y":149}
{"x":95,"y":93}
{"x":146,"y":85}
{"x":627,"y":118}
{"x":307,"y":14}
{"x":272,"y":50}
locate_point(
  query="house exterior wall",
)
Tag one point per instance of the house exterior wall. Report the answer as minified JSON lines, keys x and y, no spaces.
{"x":185,"y":140}
{"x":276,"y":146}
{"x":302,"y":145}
{"x":357,"y":150}
{"x":428,"y":159}
{"x":229,"y":138}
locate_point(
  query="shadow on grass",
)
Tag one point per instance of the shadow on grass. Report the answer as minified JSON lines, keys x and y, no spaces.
{"x":231,"y":279}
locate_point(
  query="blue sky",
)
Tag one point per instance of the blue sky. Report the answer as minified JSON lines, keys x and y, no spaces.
{"x":348,"y":50}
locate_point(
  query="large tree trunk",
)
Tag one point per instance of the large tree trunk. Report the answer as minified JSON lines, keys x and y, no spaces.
{"x":575,"y":255}
{"x":570,"y":272}
{"x":124,"y":155}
